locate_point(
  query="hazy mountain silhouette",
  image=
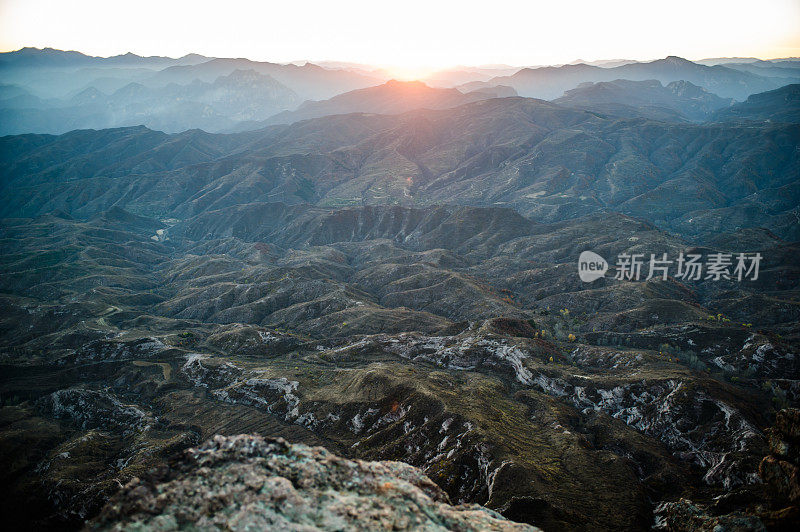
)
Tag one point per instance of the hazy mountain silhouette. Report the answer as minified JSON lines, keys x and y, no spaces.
{"x":678,"y":100}
{"x":53,"y":91}
{"x":393,"y":97}
{"x":52,"y":58}
{"x":309,"y":81}
{"x":239,"y":96}
{"x":780,"y":105}
{"x":552,"y":82}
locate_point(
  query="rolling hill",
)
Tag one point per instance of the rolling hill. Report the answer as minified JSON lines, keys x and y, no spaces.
{"x":546,"y":161}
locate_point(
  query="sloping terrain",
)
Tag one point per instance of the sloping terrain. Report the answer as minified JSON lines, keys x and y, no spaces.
{"x":677,"y":101}
{"x":291,"y":487}
{"x":52,"y":91}
{"x":552,"y":82}
{"x":243,"y":95}
{"x":548,"y":162}
{"x":780,"y":105}
{"x":458,"y":340}
{"x":393,"y":97}
{"x":310,"y":81}
{"x":52,"y":73}
{"x":403,"y":286}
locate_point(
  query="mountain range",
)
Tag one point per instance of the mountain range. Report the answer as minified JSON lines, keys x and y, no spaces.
{"x":677,"y":101}
{"x":242,"y":95}
{"x":725,"y":81}
{"x":390,"y":270}
{"x":546,"y":161}
{"x":780,"y":105}
{"x":393,"y":97}
{"x":50,"y":91}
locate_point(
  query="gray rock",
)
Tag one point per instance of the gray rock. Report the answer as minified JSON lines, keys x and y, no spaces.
{"x":247,"y":482}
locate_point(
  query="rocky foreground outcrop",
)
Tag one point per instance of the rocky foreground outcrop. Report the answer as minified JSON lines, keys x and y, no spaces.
{"x":773,"y":508}
{"x":781,"y":469}
{"x":248,"y":482}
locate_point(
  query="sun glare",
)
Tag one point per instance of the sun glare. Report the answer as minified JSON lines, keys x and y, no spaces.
{"x":410,"y":73}
{"x":434,"y":34}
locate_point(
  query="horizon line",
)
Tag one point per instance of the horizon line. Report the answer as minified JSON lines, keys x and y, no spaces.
{"x":387,"y":65}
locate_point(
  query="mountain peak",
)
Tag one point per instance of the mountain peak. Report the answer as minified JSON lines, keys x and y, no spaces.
{"x":686,"y":88}
{"x":676,"y":60}
{"x":87,"y":96}
{"x":245,"y":73}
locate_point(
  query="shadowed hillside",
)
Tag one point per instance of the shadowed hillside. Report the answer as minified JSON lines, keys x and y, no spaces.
{"x":546,"y":161}
{"x":485,"y":310}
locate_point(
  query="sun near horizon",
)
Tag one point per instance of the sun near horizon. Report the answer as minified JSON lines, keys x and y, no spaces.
{"x":413,"y":41}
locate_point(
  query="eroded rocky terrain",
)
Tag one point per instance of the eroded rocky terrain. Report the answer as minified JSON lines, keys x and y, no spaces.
{"x":458,"y":340}
{"x":404,"y":287}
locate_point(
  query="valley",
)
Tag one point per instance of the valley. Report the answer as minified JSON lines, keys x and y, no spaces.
{"x":388,"y":333}
{"x":249,"y":295}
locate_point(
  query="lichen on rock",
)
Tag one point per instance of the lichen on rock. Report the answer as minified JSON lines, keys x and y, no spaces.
{"x":247,"y":482}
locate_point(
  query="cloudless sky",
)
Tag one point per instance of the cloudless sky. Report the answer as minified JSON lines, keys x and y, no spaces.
{"x":409,"y":34}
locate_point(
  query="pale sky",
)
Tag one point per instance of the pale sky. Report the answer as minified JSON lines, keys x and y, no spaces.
{"x":410,"y":34}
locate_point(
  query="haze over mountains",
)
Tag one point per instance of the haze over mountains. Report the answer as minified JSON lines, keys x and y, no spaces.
{"x":677,"y":101}
{"x":544,"y":160}
{"x":50,"y":91}
{"x":200,"y":246}
{"x":726,"y":81}
{"x":393,"y":97}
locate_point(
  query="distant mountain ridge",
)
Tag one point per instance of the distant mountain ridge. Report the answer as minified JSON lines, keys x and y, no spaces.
{"x":309,"y":81}
{"x":49,"y":57}
{"x":678,"y":100}
{"x":547,"y":161}
{"x":213,"y":106}
{"x":53,"y":73}
{"x":780,"y":105}
{"x":393,"y":97}
{"x":53,"y":91}
{"x":551,"y":82}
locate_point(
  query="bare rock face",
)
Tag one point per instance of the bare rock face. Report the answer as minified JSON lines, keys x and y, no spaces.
{"x":247,"y":482}
{"x":781,"y":469}
{"x":771,"y":506}
{"x":684,"y":515}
